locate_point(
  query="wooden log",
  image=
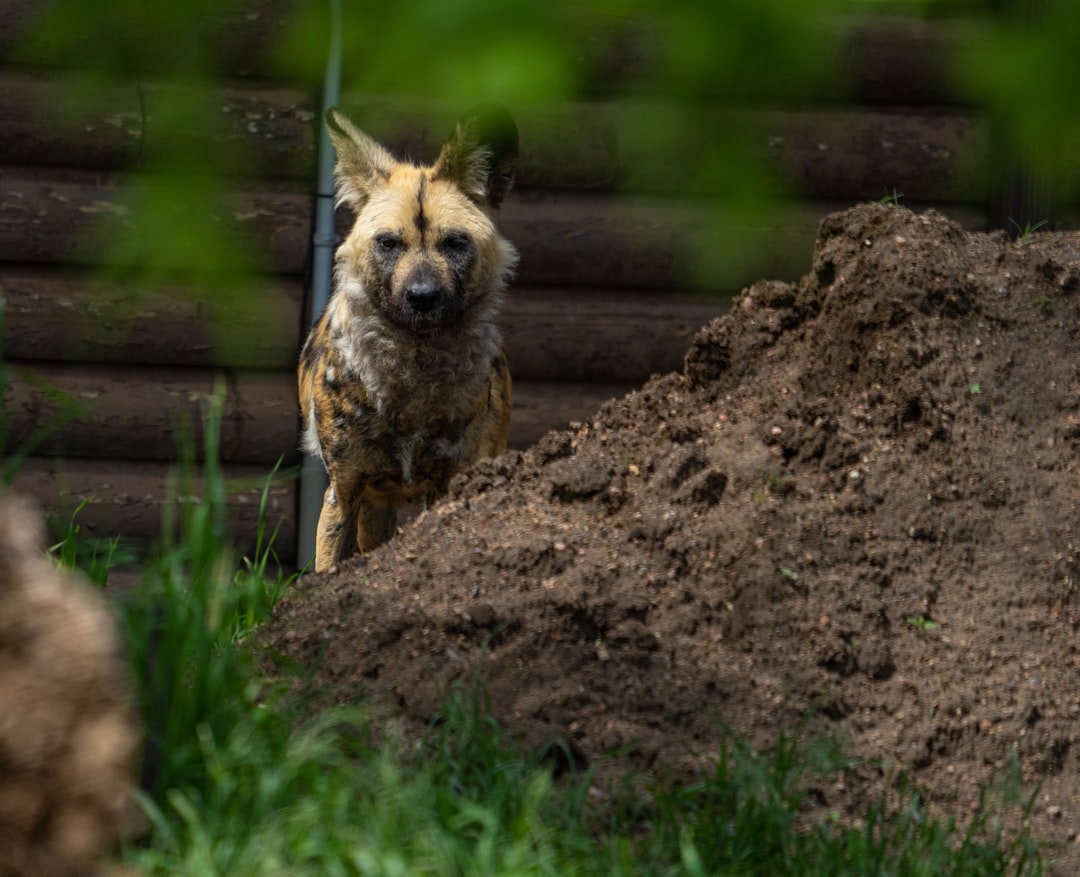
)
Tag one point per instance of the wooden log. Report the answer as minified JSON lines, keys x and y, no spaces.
{"x":72,"y":317}
{"x":127,"y":499}
{"x":578,"y":240}
{"x":927,"y":156}
{"x":876,"y":58}
{"x":128,"y":413}
{"x":599,"y":335}
{"x":45,"y":123}
{"x":833,"y":153}
{"x":540,"y":407}
{"x":902,"y":59}
{"x":243,"y":38}
{"x":51,"y":119}
{"x":56,"y":120}
{"x":149,"y":413}
{"x":552,"y":334}
{"x":80,"y":218}
{"x":930,"y":153}
{"x":880,"y":58}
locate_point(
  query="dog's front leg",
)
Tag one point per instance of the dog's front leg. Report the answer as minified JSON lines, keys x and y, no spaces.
{"x":333,"y":539}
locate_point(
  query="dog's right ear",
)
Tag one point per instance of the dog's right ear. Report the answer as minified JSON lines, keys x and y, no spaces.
{"x":481,"y":155}
{"x":362,"y":163}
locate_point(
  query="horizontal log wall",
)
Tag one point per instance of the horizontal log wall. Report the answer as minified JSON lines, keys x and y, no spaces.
{"x":829,"y":152}
{"x":583,"y":239}
{"x":551,"y":333}
{"x":611,"y":286}
{"x":148,"y":413}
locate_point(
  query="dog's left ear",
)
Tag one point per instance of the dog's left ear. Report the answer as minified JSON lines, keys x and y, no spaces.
{"x":481,"y":155}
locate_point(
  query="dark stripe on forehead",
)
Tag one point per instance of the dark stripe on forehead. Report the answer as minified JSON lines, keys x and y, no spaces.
{"x":420,"y":220}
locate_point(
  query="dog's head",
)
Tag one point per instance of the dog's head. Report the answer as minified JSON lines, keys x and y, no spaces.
{"x":424,"y":248}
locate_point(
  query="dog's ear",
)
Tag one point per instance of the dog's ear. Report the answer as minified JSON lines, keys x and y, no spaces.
{"x":362,"y":163}
{"x":481,"y":155}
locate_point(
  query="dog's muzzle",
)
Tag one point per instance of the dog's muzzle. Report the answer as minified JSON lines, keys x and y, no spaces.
{"x":424,"y":296}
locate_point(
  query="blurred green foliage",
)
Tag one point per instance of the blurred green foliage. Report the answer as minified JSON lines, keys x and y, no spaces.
{"x":669,"y":71}
{"x":1026,"y":70}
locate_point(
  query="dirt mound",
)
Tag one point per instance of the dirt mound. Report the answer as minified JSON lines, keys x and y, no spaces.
{"x":859,"y":500}
{"x":68,"y":740}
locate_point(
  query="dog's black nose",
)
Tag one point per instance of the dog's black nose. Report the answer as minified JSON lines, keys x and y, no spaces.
{"x":423,"y":295}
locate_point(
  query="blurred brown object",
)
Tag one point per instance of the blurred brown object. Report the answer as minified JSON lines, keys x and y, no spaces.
{"x":68,"y":734}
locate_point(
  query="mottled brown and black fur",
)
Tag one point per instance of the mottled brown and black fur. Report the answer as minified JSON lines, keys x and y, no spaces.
{"x":403,"y":380}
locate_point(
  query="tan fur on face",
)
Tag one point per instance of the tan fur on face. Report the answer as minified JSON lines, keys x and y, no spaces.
{"x":403,"y":381}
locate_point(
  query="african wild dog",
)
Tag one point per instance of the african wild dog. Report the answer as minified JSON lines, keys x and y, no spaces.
{"x":403,"y":380}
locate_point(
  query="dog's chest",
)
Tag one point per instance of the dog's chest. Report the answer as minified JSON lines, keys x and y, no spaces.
{"x":405,"y":444}
{"x":396,"y":413}
{"x":414,"y":466}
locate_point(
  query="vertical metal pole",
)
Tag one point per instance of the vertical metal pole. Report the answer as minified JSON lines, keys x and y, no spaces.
{"x":313,"y":479}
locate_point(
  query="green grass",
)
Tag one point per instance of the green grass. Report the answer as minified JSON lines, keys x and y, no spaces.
{"x":238,"y":782}
{"x":96,"y":557}
{"x":1024,"y":233}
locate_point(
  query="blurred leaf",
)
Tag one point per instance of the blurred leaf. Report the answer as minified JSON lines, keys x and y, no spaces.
{"x":1025,"y":70}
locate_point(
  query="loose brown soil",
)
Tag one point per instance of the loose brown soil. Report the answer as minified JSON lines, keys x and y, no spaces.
{"x":859,"y":501}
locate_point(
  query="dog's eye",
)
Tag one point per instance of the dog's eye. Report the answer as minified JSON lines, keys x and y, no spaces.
{"x":455,"y":242}
{"x":389,"y":243}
